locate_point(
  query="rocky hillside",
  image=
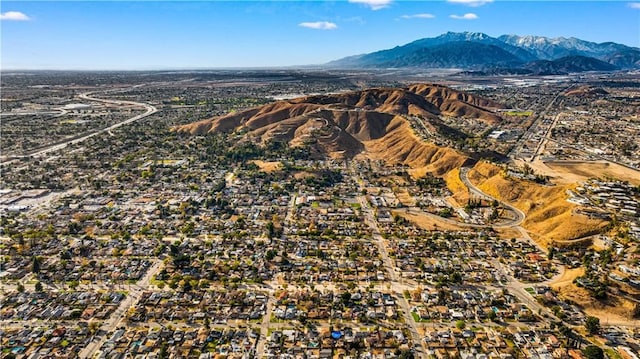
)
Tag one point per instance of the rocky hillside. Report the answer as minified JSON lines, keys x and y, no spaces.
{"x":373,"y":122}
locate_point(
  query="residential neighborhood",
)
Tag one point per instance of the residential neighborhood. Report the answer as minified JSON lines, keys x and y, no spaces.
{"x":142,"y":241}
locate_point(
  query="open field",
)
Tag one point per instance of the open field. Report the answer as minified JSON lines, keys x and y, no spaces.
{"x":426,"y":221}
{"x":567,"y":278}
{"x":519,"y":113}
{"x":582,"y":170}
{"x":268,"y":167}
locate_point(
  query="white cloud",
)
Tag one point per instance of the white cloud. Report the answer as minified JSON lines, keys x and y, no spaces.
{"x":418,"y":16}
{"x":14,"y":16}
{"x":319,"y":25}
{"x":634,"y":5}
{"x":472,"y":3}
{"x":373,"y":4}
{"x":467,"y":16}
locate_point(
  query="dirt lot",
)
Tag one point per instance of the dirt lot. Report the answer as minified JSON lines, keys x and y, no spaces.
{"x":578,"y":171}
{"x":268,"y":166}
{"x":426,"y":221}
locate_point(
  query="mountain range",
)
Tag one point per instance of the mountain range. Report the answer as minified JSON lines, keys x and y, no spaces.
{"x":504,"y":54}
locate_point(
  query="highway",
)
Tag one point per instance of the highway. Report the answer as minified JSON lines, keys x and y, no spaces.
{"x":545,"y":139}
{"x":515,"y":150}
{"x":149,"y":110}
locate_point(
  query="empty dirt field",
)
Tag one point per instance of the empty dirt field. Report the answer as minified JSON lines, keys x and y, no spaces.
{"x":577,"y":171}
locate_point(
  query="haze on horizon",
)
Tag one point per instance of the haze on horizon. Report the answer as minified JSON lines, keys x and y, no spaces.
{"x":146,"y":35}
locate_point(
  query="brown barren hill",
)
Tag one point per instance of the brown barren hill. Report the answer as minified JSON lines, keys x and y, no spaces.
{"x":401,"y":146}
{"x":459,"y":104}
{"x":588,"y":91}
{"x":371,"y":122}
{"x":549,"y":217}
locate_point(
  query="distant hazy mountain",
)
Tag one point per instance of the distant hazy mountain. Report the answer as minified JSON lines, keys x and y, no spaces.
{"x":479,"y":51}
{"x":629,"y":58}
{"x":568,"y":64}
{"x":553,"y":48}
{"x":454,"y":54}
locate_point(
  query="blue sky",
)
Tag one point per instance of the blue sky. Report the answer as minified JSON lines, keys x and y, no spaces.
{"x":162,"y":34}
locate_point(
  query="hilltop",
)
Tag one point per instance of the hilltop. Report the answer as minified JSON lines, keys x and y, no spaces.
{"x":375,"y":122}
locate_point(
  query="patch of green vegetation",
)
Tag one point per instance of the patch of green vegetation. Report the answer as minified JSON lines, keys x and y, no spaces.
{"x":509,"y":342}
{"x":530,"y":290}
{"x":416,"y":318}
{"x":156,"y":282}
{"x":519,"y":113}
{"x":612,"y":354}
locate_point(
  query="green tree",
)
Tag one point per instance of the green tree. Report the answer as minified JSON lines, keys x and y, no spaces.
{"x":593,"y":325}
{"x":73,"y":284}
{"x":552,"y":252}
{"x":405,"y":354}
{"x":445,"y":212}
{"x":492,"y":315}
{"x":38,"y":287}
{"x":271,"y":230}
{"x":346,"y":297}
{"x":593,"y":352}
{"x":460,"y":324}
{"x":456,"y":277}
{"x":162,"y":354}
{"x":35,"y":264}
{"x":93,"y":326}
{"x":270,"y":254}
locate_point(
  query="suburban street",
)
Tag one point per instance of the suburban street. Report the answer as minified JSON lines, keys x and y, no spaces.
{"x":392,"y":277}
{"x":119,"y":314}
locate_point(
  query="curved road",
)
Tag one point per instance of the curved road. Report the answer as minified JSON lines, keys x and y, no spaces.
{"x":150,"y":109}
{"x":514,"y":286}
{"x":475,"y":190}
{"x":512,"y":223}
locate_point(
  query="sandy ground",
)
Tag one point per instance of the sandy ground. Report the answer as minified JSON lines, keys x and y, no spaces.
{"x":268,"y":166}
{"x":405,"y":198}
{"x":428,"y":222}
{"x":576,"y":171}
{"x":567,"y":278}
{"x":549,"y":217}
{"x":460,"y":193}
{"x":573,"y":172}
{"x":617,"y":311}
{"x":613,"y":311}
{"x":508,"y":233}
